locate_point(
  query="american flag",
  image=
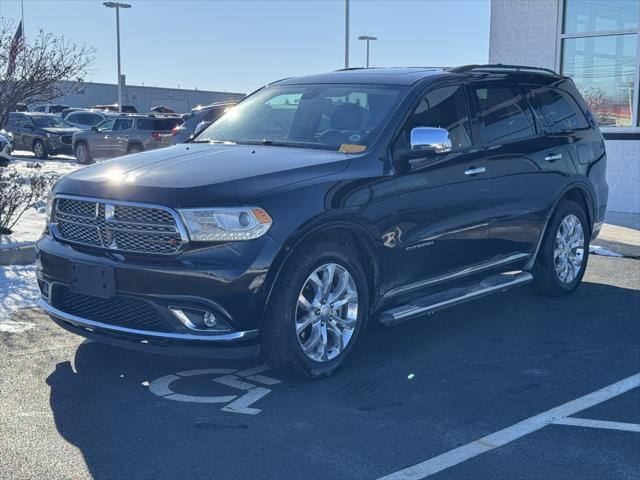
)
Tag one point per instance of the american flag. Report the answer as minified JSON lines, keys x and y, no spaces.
{"x":16,"y":46}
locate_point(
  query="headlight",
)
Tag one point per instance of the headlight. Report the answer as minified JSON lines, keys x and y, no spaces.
{"x":53,"y":136}
{"x":226,"y":224}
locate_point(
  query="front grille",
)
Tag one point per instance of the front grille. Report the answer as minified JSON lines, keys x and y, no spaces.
{"x":116,"y":226}
{"x":120,"y":311}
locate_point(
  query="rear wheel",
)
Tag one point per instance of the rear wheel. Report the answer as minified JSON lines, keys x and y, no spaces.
{"x":83,"y":155}
{"x":562,"y":259}
{"x":40,"y":150}
{"x":135,"y":148}
{"x":318,"y":313}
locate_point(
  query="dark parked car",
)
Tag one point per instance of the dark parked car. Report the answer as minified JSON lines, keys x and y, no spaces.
{"x":199,"y":119}
{"x":53,"y":108}
{"x":84,"y":119}
{"x":321,"y":203}
{"x":114,"y":108}
{"x":42,"y":133}
{"x":122,"y":135}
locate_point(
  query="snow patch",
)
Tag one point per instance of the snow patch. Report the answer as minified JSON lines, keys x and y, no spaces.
{"x":596,"y":250}
{"x":18,"y":289}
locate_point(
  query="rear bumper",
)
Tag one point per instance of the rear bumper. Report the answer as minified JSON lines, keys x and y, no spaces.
{"x":235,"y":345}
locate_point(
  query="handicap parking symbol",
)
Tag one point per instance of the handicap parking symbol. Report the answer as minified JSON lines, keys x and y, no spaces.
{"x":243,"y":380}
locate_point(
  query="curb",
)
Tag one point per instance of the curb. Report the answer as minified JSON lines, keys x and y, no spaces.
{"x":23,"y":255}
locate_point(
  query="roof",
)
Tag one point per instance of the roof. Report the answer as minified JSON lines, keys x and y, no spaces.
{"x":411,"y":75}
{"x":382,"y":76}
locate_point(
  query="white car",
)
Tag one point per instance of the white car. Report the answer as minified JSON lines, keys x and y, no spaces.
{"x":5,"y":148}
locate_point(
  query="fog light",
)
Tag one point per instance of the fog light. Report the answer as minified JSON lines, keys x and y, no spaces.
{"x":200,"y":320}
{"x":210,"y":320}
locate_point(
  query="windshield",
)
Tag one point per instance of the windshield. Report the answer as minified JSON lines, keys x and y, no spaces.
{"x":49,"y":121}
{"x":312,"y":116}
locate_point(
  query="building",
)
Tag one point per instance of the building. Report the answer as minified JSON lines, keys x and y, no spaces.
{"x":596,"y":42}
{"x":144,"y":98}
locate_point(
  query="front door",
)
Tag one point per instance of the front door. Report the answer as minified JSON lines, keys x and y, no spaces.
{"x":103,"y":139}
{"x":442,"y":199}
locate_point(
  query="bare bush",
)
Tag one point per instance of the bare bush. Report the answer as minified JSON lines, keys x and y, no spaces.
{"x":46,"y":68}
{"x":18,"y":193}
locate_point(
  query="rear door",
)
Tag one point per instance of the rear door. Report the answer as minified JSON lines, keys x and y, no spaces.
{"x":120,"y":139}
{"x":527,"y":167}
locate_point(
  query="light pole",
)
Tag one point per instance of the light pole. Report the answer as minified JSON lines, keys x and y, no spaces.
{"x":368,"y":38}
{"x":346,"y":33}
{"x":118,"y":6}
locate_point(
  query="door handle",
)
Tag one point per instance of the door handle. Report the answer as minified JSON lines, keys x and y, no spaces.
{"x":475,"y":170}
{"x":552,"y":157}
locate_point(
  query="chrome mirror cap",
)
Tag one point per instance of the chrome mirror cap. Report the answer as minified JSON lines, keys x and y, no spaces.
{"x":430,"y":139}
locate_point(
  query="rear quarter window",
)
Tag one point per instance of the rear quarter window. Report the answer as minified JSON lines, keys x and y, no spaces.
{"x":558,"y":109}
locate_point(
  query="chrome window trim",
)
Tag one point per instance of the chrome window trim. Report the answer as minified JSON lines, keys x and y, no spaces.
{"x":90,"y":324}
{"x":184,"y":237}
{"x":454,"y":275}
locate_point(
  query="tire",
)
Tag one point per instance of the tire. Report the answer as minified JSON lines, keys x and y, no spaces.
{"x":40,"y":150}
{"x":282,"y":344}
{"x":83,"y":154}
{"x":135,"y":148}
{"x":549,"y":276}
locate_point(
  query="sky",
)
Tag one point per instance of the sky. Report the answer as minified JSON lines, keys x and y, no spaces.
{"x":238,"y":46}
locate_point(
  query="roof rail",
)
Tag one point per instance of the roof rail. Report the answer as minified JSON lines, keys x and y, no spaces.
{"x":500,"y":66}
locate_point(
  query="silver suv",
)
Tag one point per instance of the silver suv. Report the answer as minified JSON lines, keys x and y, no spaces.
{"x":123,"y":135}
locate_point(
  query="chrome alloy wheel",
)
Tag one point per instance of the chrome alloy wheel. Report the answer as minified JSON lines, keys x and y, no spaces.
{"x":568,"y":252}
{"x":38,"y":149}
{"x":326,"y":312}
{"x":82,"y":153}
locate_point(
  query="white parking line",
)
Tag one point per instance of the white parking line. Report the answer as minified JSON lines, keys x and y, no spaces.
{"x":587,"y":422}
{"x":509,"y":434}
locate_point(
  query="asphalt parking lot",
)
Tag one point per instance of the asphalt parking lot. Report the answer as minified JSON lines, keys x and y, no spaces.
{"x":471,"y":392}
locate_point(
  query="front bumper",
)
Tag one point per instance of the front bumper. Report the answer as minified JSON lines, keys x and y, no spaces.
{"x":225,"y":280}
{"x":235,"y":345}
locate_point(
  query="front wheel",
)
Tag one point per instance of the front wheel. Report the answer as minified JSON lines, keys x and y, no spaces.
{"x":40,"y":150}
{"x":562,"y":259}
{"x":318,"y":311}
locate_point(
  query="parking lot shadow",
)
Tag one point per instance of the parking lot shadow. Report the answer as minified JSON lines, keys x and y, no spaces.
{"x":432,"y":383}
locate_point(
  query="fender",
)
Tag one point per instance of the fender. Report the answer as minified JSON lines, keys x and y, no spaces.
{"x":313,"y":227}
{"x":586,"y":189}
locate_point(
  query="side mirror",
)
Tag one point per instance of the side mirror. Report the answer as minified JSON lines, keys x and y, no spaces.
{"x":94,"y":128}
{"x":430,"y":140}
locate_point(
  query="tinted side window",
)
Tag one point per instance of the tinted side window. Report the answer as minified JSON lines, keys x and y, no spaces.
{"x":558,"y":109}
{"x":40,"y":108}
{"x":443,"y":107}
{"x":123,"y":124}
{"x":145,"y":123}
{"x":505,"y":114}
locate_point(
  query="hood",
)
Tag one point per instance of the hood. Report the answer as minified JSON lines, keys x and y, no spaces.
{"x":198,"y":174}
{"x":60,"y":130}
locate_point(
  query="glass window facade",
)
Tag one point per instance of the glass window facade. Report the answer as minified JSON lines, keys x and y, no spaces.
{"x":600,"y":52}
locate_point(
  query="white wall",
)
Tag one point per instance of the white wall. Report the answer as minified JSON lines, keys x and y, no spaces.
{"x":525,"y":32}
{"x":623,"y":175}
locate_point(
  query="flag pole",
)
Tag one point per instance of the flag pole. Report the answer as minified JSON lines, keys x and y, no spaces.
{"x":22,"y":11}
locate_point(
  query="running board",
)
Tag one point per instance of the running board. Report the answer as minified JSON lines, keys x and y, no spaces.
{"x":454,"y":296}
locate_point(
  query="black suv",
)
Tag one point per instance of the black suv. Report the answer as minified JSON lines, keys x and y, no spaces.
{"x":321,"y":203}
{"x":43,"y":133}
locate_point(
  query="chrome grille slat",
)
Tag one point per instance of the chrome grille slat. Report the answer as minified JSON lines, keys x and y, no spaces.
{"x":134,"y":228}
